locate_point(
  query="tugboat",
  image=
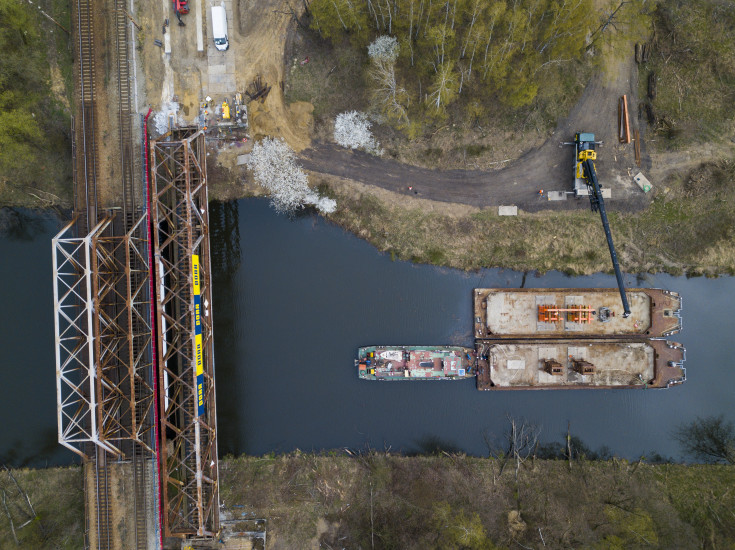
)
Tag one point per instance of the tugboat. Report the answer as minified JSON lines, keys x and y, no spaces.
{"x":415,"y":363}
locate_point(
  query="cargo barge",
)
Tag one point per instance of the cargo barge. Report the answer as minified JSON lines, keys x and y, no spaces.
{"x":415,"y":363}
{"x":568,"y":364}
{"x":579,"y":313}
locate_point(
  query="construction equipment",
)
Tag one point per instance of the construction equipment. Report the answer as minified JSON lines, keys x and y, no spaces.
{"x":586,"y":174}
{"x":181,"y":7}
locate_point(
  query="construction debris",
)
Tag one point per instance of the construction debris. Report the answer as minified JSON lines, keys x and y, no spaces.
{"x":637,"y":147}
{"x":642,"y":182}
{"x":257,"y":90}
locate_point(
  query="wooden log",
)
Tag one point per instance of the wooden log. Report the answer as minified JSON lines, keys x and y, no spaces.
{"x":652,"y":85}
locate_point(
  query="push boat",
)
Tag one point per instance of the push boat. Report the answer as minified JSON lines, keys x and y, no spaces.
{"x":415,"y":363}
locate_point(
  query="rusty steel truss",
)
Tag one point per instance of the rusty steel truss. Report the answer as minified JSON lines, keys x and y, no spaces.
{"x":188,"y":453}
{"x":103,"y":336}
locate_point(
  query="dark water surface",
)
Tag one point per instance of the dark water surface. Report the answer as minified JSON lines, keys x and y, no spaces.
{"x":304,"y":295}
{"x":293,"y":299}
{"x":28,"y":364}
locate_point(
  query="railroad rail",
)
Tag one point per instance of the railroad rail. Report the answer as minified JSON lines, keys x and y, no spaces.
{"x":85,"y":174}
{"x":102,"y":298}
{"x":130,"y":205}
{"x":107,"y":311}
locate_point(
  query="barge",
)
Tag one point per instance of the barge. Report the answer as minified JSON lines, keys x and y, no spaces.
{"x":415,"y":363}
{"x":579,"y":313}
{"x":567,"y":364}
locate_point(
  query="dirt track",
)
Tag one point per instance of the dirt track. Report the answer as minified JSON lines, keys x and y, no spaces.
{"x":548,"y":167}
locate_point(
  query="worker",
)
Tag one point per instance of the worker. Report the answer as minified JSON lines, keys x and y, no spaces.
{"x":540,"y":192}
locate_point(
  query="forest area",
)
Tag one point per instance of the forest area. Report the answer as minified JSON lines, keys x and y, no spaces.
{"x":35,"y":146}
{"x":503,"y":51}
{"x":693,"y":72}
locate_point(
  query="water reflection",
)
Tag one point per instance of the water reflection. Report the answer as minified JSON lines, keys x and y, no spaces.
{"x":295,"y":298}
{"x":225,"y":252}
{"x":21,"y":224}
{"x":224,"y":228}
{"x":306,"y":295}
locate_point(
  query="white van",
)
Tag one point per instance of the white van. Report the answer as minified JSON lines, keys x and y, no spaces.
{"x":219,"y":28}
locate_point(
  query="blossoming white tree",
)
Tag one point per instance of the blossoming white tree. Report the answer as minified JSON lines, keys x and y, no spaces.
{"x":352,"y":130}
{"x":274,"y":167}
{"x":384,"y":48}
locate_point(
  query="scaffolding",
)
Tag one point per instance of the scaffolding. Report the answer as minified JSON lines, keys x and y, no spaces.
{"x":188,"y":451}
{"x":103,"y":337}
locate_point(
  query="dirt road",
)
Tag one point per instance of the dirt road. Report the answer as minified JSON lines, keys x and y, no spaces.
{"x":548,"y":167}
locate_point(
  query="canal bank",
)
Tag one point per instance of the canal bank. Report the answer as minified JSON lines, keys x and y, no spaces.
{"x":326,"y":293}
{"x":330,"y":500}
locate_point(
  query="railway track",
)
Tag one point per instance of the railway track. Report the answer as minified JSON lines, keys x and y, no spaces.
{"x":85,"y":173}
{"x":102,"y":500}
{"x":130,"y":205}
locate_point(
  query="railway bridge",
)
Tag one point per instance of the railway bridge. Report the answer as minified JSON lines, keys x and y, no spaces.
{"x":133,"y":307}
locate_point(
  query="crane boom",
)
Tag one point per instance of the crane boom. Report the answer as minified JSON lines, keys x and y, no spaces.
{"x":597,"y":203}
{"x":584,"y":171}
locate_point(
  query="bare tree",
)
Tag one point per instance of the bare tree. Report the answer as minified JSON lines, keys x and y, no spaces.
{"x":390,"y":98}
{"x":444,"y":88}
{"x":274,"y":167}
{"x":710,"y":439}
{"x":519,"y":444}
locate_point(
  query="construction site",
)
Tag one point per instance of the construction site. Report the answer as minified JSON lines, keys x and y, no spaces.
{"x":135,"y":362}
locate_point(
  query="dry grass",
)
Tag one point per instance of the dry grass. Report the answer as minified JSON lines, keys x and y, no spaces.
{"x":442,"y":501}
{"x":56,"y":495}
{"x":687,"y":229}
{"x":433,"y":501}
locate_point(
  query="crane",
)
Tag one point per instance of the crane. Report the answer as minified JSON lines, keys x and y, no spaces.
{"x":585,"y":174}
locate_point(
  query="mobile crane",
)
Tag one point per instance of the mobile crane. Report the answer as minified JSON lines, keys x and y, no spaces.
{"x":585,"y":176}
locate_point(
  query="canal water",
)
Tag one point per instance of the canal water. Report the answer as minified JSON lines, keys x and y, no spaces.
{"x":295,"y":298}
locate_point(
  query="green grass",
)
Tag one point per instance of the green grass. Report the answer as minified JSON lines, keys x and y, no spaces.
{"x":332,"y":80}
{"x":39,"y":174}
{"x":445,"y":500}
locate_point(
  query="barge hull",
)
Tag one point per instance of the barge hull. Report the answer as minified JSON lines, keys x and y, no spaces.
{"x":578,"y":313}
{"x":567,"y":364}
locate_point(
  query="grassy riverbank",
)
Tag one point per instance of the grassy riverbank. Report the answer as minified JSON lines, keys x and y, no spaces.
{"x":57,"y":498}
{"x":443,"y":501}
{"x":35,"y":92}
{"x":455,"y":501}
{"x":688,"y":228}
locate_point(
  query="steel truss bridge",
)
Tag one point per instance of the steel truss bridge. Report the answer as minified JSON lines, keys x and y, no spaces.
{"x":133,"y":317}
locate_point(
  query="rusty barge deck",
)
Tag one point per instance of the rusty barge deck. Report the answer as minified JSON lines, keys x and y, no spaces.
{"x":578,"y":313}
{"x":572,"y":364}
